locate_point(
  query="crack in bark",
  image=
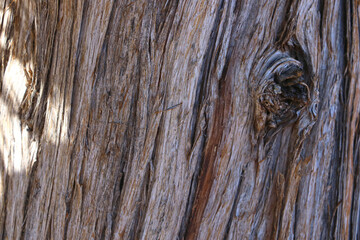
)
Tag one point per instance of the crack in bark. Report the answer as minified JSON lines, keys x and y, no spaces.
{"x":29,"y":193}
{"x":149,"y":180}
{"x":233,"y":207}
{"x":205,"y":177}
{"x":189,"y":229}
{"x":76,"y":84}
{"x":69,"y":198}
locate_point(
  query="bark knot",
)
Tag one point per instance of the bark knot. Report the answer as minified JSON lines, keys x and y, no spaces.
{"x":282,"y":92}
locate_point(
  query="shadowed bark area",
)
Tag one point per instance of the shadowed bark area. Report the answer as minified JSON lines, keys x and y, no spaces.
{"x":215,"y":119}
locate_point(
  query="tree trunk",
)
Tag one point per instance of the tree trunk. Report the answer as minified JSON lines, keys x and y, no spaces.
{"x":216,"y":119}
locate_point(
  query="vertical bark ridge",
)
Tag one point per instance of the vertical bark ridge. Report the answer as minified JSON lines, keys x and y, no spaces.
{"x":202,"y":119}
{"x":233,"y":209}
{"x":204,"y":176}
{"x":351,"y":118}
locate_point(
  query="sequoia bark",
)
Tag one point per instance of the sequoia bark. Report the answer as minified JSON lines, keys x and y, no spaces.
{"x":217,"y":119}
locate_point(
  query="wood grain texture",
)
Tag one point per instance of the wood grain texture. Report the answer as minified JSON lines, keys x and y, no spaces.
{"x":217,"y":119}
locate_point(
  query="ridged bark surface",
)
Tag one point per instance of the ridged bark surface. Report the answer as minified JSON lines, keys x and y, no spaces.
{"x":217,"y":119}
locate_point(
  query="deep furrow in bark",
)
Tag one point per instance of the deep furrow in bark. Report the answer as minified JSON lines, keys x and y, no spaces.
{"x":200,"y":101}
{"x":213,"y":136}
{"x":342,"y":226}
{"x":76,"y":85}
{"x":233,"y":207}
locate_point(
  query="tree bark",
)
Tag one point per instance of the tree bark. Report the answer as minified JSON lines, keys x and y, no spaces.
{"x":217,"y":119}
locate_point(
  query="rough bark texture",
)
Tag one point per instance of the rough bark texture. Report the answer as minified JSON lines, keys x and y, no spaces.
{"x":217,"y":119}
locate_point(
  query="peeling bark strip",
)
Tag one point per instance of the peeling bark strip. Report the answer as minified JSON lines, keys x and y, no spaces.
{"x":216,"y":119}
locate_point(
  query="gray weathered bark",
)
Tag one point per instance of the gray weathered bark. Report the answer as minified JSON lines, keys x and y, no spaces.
{"x":217,"y":119}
